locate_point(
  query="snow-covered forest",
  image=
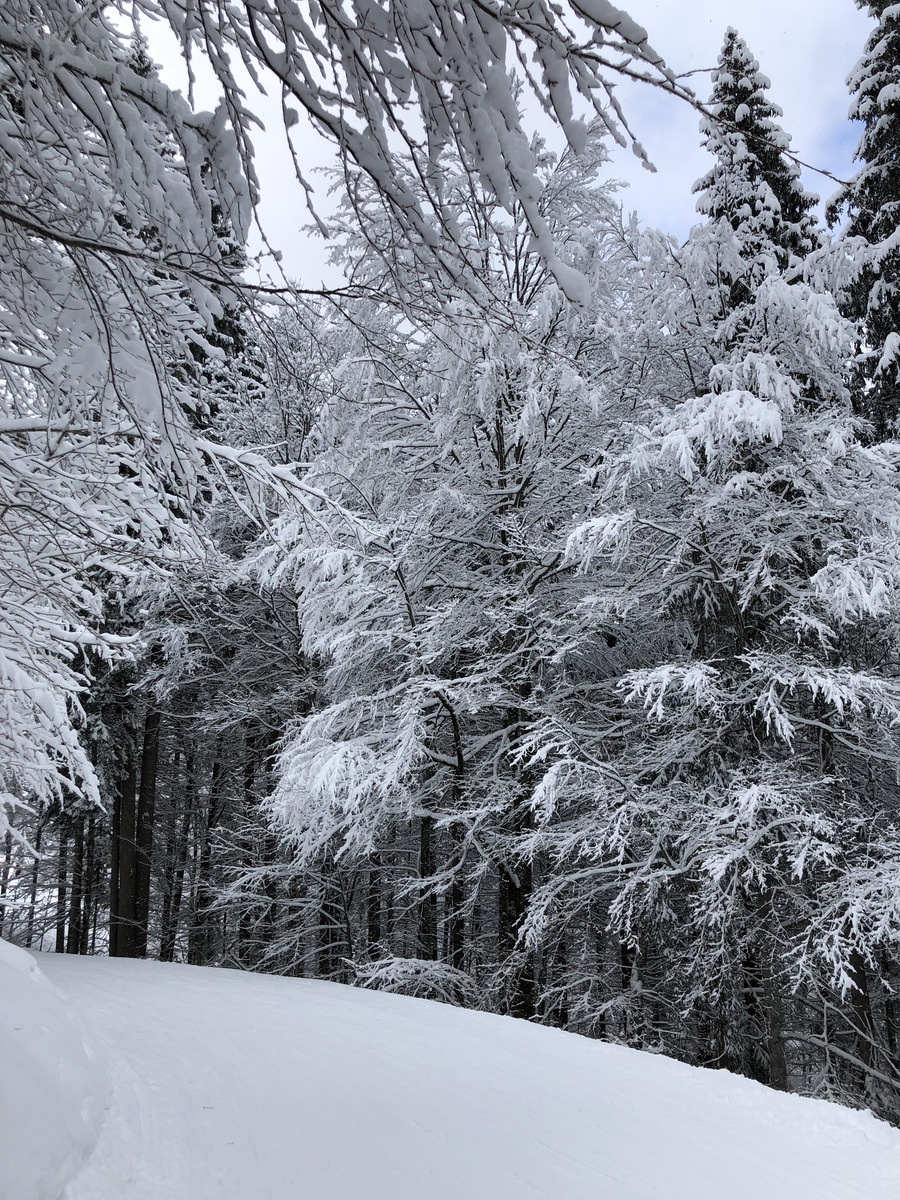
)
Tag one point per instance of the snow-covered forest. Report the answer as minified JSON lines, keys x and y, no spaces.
{"x":516,"y":625}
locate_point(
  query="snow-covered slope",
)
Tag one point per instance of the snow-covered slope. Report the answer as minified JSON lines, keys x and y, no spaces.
{"x":52,"y":1083}
{"x":229,"y":1086}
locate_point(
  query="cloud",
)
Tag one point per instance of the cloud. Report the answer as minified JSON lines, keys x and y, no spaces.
{"x":806,"y":47}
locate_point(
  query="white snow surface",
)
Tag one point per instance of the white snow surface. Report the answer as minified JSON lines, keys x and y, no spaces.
{"x":231,"y":1086}
{"x":51,"y":1083}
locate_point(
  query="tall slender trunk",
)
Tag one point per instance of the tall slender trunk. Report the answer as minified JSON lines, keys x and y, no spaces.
{"x":373,"y":908}
{"x":763,"y":1002}
{"x":170,"y":849}
{"x":455,"y":923}
{"x":559,"y":1013}
{"x":122,"y":941}
{"x":32,"y":899}
{"x":773,"y":1007}
{"x":428,"y":931}
{"x":270,"y":844}
{"x":115,"y":838}
{"x":513,"y":894}
{"x":772,"y":1003}
{"x":146,"y":811}
{"x":270,"y":916}
{"x":199,"y":948}
{"x":890,"y":1004}
{"x":61,"y":881}
{"x":89,"y":885}
{"x":861,"y":1016}
{"x":4,"y":878}
{"x":172,"y":914}
{"x":247,"y":951}
{"x":628,"y":967}
{"x":73,"y":941}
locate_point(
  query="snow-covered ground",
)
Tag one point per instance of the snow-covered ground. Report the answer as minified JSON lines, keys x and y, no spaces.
{"x":52,"y":1083}
{"x":219,"y":1085}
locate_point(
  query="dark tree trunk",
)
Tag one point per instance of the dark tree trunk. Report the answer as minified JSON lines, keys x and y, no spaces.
{"x":427,"y":933}
{"x":373,"y":908}
{"x":122,"y":940}
{"x":115,"y":867}
{"x":456,"y":926}
{"x":29,"y":930}
{"x":270,"y":919}
{"x":861,"y":1016}
{"x":174,"y":894}
{"x":89,"y":886}
{"x":199,"y":948}
{"x":628,"y":969}
{"x":513,"y":893}
{"x":772,"y":1002}
{"x":76,"y":893}
{"x":247,"y":951}
{"x":4,"y":877}
{"x":144,"y":841}
{"x":890,"y":1004}
{"x":270,"y":887}
{"x":61,"y":879}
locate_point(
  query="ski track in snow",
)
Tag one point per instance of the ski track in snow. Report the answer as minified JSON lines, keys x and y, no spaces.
{"x":231,"y":1086}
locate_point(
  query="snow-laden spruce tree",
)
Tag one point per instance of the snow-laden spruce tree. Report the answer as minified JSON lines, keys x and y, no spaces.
{"x":872,"y":202}
{"x":752,"y":185}
{"x":732,"y":801}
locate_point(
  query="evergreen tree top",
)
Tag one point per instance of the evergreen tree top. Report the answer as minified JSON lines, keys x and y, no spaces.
{"x":752,"y":184}
{"x":872,"y":202}
{"x":874,"y":83}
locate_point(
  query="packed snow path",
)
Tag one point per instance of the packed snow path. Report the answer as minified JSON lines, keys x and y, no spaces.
{"x":231,"y":1086}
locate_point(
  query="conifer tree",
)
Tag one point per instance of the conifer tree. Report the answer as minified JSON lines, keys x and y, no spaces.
{"x":740,"y":548}
{"x":752,"y":184}
{"x":872,"y":203}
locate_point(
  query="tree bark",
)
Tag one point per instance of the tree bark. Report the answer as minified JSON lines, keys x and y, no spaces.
{"x":144,"y":841}
{"x":373,"y":908}
{"x":29,"y":931}
{"x":456,"y":926}
{"x":89,"y":886}
{"x":173,"y":898}
{"x":513,"y":893}
{"x":248,"y":952}
{"x":778,"y":1072}
{"x":76,"y":893}
{"x":199,"y":948}
{"x":427,"y":933}
{"x":861,"y":1015}
{"x":122,"y":941}
{"x":61,"y":881}
{"x":4,"y":878}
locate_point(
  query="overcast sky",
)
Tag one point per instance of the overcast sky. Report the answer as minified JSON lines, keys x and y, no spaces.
{"x":806,"y":47}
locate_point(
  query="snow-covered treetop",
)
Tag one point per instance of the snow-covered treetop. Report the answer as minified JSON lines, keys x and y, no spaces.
{"x":66,"y":69}
{"x":869,"y":241}
{"x":374,"y":75}
{"x":378,"y":76}
{"x":752,"y":185}
{"x":874,"y":84}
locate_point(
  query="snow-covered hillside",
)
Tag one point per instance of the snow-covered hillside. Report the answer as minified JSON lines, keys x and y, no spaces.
{"x":219,"y":1085}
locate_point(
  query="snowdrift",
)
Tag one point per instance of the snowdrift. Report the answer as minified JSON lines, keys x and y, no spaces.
{"x":231,"y":1086}
{"x":52,"y":1083}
